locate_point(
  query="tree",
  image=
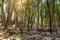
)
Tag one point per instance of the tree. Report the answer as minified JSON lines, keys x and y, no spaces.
{"x":50,"y":20}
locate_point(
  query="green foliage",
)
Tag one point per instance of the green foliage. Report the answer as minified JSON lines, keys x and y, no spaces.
{"x":18,"y":37}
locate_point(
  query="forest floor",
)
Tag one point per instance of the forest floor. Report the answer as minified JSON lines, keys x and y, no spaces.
{"x":30,"y":36}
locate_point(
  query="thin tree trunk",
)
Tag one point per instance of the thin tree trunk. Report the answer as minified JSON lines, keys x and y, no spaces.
{"x":3,"y":20}
{"x":28,"y":12}
{"x":38,"y":16}
{"x":41,"y":16}
{"x":53,"y":15}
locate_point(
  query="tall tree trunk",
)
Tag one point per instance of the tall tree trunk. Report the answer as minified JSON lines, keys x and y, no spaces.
{"x":8,"y":16}
{"x":41,"y":16}
{"x":28,"y":13}
{"x":38,"y":16}
{"x":53,"y":14}
{"x":3,"y":20}
{"x":50,"y":20}
{"x":16,"y":18}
